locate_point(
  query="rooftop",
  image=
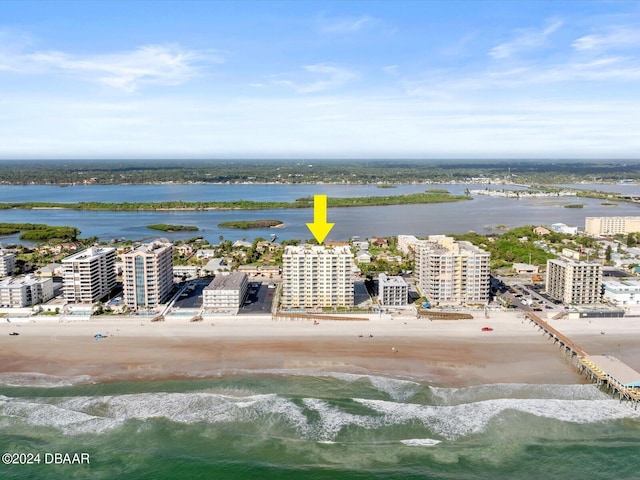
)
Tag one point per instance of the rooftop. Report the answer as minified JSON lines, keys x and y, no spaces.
{"x":233,"y":281}
{"x":14,"y":282}
{"x":619,"y":371}
{"x":89,"y":254}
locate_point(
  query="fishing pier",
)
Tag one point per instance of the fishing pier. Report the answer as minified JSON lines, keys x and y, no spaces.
{"x":606,"y":371}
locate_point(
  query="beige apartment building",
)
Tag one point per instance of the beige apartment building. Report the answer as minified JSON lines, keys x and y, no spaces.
{"x":89,"y":275}
{"x":572,"y":282}
{"x":611,"y":225}
{"x":148,"y":274}
{"x":451,"y":272}
{"x":316,"y":276}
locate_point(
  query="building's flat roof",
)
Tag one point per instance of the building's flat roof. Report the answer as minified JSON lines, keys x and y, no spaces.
{"x":152,"y":247}
{"x":619,"y":371}
{"x":15,"y":282}
{"x":233,"y":281}
{"x":384,"y":279}
{"x":88,"y":254}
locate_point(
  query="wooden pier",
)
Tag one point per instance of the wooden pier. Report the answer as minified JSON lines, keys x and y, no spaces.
{"x":606,"y":371}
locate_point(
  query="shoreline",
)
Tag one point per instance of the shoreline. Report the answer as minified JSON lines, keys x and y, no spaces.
{"x":441,"y":353}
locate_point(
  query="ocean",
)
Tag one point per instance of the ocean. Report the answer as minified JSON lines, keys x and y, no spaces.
{"x":288,"y":425}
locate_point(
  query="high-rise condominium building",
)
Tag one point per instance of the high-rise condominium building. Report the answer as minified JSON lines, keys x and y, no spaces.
{"x":611,"y":225}
{"x":574,"y":282}
{"x":89,"y":275}
{"x":452,"y":273}
{"x":148,"y":274}
{"x":317,"y":276}
{"x":7,"y":263}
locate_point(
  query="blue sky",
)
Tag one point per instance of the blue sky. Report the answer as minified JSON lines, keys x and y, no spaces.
{"x":304,"y":79}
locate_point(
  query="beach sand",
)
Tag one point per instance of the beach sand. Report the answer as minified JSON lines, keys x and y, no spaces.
{"x":444,"y":353}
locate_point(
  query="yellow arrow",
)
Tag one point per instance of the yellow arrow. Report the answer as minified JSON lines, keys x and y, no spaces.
{"x":320,"y":228}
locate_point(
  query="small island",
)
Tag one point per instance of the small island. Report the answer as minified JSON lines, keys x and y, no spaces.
{"x":574,"y":205}
{"x":173,"y":228}
{"x":247,"y":224}
{"x":37,"y":232}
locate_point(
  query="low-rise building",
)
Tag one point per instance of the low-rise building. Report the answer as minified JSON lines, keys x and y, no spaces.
{"x":622,"y":292}
{"x":267,"y":271}
{"x":563,"y":228}
{"x":25,"y":291}
{"x":185,"y":271}
{"x":525,"y":268}
{"x":363,"y":257}
{"x":225,"y":292}
{"x":392,"y":291}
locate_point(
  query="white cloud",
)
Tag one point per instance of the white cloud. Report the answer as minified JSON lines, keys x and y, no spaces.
{"x":613,"y":38}
{"x":128,"y":71}
{"x":526,"y":39}
{"x":345,"y":25}
{"x":318,"y":77}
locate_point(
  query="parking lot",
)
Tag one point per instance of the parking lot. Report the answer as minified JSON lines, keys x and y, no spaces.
{"x":192,"y":298}
{"x":259,"y":299}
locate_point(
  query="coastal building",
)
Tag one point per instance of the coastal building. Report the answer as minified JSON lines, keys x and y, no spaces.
{"x":392,"y":291}
{"x":525,"y":268}
{"x":18,"y":292}
{"x":185,"y":271}
{"x":363,"y":257}
{"x":451,"y":272}
{"x":563,"y":228}
{"x":148,"y":274}
{"x":611,"y":225}
{"x":574,"y":282}
{"x":89,"y":275}
{"x":316,"y":276}
{"x":622,"y":292}
{"x":225,"y":292}
{"x":407,"y":243}
{"x":541,"y":231}
{"x":268,"y":271}
{"x":7,"y":263}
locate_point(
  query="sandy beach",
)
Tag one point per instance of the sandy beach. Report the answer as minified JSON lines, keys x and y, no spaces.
{"x":446,"y":353}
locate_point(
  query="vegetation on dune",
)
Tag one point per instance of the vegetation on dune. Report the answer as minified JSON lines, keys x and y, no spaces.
{"x":173,"y":228}
{"x":247,"y":224}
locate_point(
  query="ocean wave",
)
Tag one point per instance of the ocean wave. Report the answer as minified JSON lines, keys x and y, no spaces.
{"x":35,"y":379}
{"x":456,"y":396}
{"x":420,"y":442}
{"x":399,"y":390}
{"x":456,"y":421}
{"x":317,"y":419}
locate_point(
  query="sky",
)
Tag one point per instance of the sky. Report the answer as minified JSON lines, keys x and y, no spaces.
{"x":330,"y":79}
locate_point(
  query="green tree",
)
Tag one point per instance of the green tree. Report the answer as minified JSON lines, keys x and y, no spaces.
{"x":608,"y":252}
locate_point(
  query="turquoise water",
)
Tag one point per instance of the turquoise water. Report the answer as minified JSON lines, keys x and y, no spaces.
{"x":320,"y":426}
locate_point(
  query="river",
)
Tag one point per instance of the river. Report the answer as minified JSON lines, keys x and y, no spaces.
{"x":482,"y":214}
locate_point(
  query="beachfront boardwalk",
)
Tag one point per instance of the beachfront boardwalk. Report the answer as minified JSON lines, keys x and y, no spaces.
{"x":605,"y":370}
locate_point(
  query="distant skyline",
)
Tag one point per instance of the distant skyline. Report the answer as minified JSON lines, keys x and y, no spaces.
{"x":326,"y":79}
